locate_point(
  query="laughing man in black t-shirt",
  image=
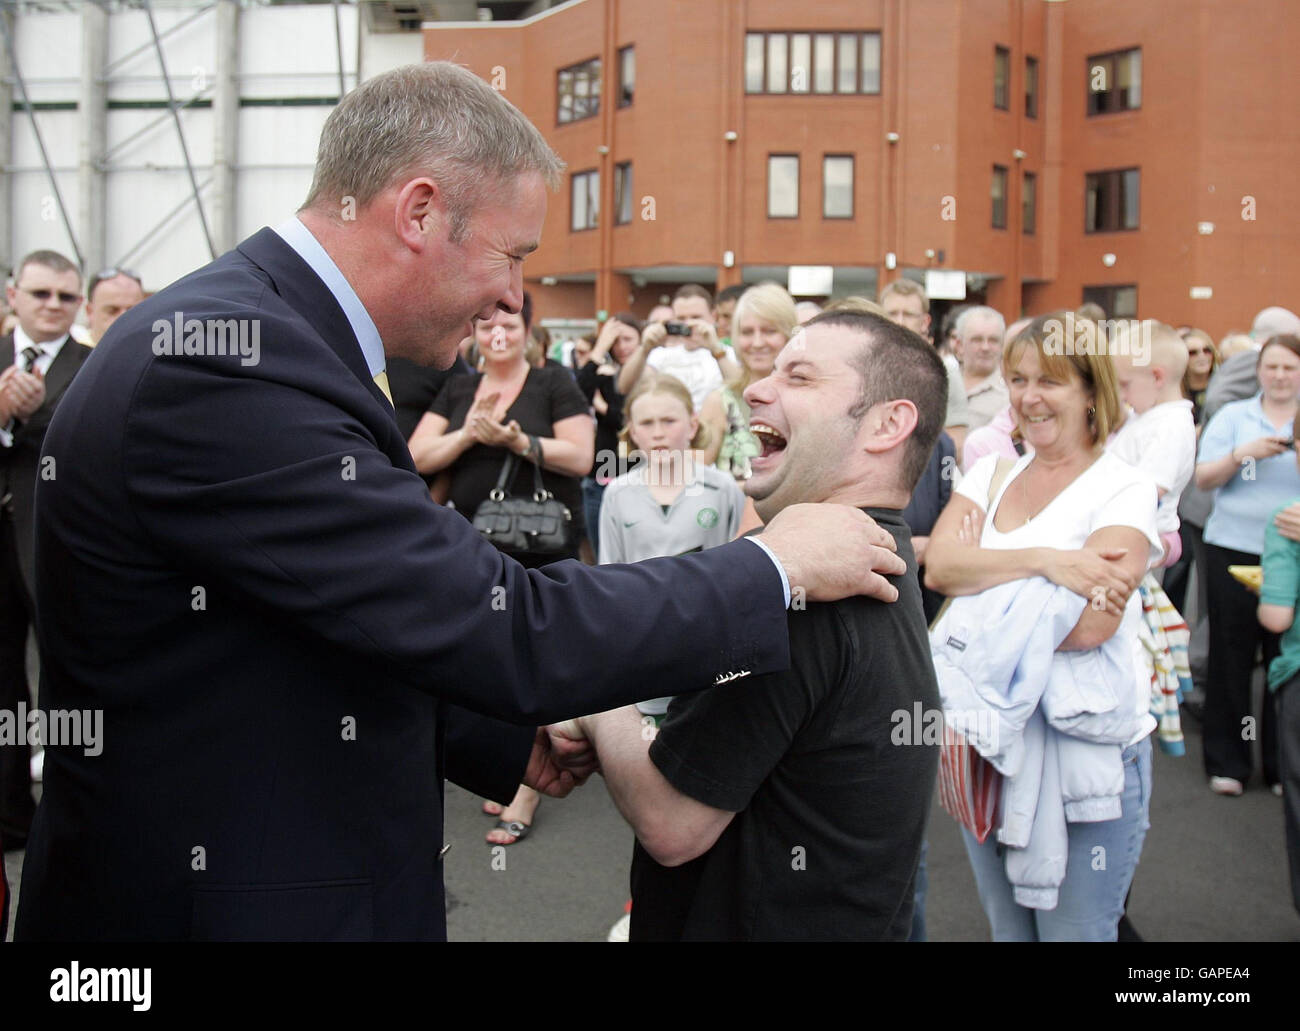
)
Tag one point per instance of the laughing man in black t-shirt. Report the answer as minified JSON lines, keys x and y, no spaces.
{"x":788,"y":805}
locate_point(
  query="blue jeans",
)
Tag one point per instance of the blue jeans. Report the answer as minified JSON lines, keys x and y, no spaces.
{"x":1091,"y":900}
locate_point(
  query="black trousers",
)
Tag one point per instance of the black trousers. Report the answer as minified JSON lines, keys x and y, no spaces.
{"x":1235,"y":633}
{"x":1176,"y":576}
{"x":16,"y":803}
{"x":1288,"y":718}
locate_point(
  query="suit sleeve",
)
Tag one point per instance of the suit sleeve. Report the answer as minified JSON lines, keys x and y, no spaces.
{"x":284,"y":498}
{"x":484,"y":755}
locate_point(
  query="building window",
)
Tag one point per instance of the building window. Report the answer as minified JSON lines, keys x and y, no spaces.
{"x":623,"y":193}
{"x":1029,"y":204}
{"x":848,"y":64}
{"x":871,"y":62}
{"x":778,"y":68}
{"x":783,"y":186}
{"x":626,"y":76}
{"x":837,"y":186}
{"x":1118,"y":302}
{"x":824,"y":63}
{"x":577,"y":91}
{"x":1001,"y":78}
{"x":800,"y":62}
{"x":806,"y":62}
{"x":999,"y":197}
{"x":1111,"y":200}
{"x":586,"y":200}
{"x":1115,"y":82}
{"x":1031,"y":87}
{"x":754,"y":63}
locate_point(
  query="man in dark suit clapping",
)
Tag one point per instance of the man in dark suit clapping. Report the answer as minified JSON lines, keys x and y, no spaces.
{"x":286,"y":636}
{"x":38,"y":359}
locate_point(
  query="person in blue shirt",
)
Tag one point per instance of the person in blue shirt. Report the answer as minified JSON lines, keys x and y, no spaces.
{"x":1245,"y":458}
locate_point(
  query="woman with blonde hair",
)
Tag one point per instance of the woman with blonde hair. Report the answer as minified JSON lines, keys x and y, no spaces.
{"x":1202,"y":360}
{"x":1077,"y":516}
{"x":764,"y":320}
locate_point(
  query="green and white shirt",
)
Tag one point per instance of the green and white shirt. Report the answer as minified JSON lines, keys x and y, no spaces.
{"x":634,"y":526}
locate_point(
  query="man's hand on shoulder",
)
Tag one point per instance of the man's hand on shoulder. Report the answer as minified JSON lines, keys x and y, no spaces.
{"x":833,"y":552}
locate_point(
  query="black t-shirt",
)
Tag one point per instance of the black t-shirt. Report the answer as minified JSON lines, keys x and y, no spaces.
{"x":830,"y":811}
{"x":609,"y":422}
{"x":549,"y":395}
{"x":414,"y":388}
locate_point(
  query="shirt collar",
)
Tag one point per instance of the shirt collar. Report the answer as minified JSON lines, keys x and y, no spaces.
{"x":990,"y":382}
{"x":307,"y":247}
{"x":22,"y":341}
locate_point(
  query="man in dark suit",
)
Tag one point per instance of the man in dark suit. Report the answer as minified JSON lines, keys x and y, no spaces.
{"x":277,"y":622}
{"x":38,"y":359}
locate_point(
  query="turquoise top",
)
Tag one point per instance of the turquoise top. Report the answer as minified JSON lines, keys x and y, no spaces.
{"x":1281,"y":562}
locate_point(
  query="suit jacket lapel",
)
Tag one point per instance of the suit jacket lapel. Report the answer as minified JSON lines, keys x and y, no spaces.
{"x":63,"y":368}
{"x":6,"y":351}
{"x":304,"y":291}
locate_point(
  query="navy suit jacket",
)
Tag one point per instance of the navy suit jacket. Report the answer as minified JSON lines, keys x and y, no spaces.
{"x":19,"y":462}
{"x":238,"y":564}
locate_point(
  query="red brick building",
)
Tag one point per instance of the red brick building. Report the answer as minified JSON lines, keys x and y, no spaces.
{"x":1144,"y":155}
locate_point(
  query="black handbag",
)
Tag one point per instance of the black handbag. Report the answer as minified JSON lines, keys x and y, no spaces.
{"x":538,"y":525}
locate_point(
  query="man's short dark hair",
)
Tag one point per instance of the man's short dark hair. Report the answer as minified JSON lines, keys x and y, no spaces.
{"x":897,"y":364}
{"x":694,"y":290}
{"x":731,"y":293}
{"x":52,"y":260}
{"x":110,"y":273}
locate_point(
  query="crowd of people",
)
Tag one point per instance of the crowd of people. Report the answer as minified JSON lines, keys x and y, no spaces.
{"x":1066,"y":464}
{"x":1039,"y":496}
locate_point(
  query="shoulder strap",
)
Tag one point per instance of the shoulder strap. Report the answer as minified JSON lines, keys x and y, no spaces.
{"x":502,"y":489}
{"x":1000,"y":473}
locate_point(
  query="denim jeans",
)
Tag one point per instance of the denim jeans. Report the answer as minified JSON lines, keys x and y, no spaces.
{"x":1091,"y":900}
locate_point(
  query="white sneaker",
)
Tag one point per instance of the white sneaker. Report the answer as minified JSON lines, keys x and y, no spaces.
{"x":1226,"y":786}
{"x":38,"y":766}
{"x":619,"y":932}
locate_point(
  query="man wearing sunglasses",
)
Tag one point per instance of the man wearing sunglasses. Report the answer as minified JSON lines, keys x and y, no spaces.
{"x":38,"y":360}
{"x":110,"y":293}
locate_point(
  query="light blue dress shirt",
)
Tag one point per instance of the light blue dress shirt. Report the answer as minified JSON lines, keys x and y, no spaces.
{"x":307,"y":247}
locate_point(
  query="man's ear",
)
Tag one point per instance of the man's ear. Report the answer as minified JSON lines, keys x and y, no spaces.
{"x":1160,"y":374}
{"x":419,"y":214}
{"x":888,"y":424}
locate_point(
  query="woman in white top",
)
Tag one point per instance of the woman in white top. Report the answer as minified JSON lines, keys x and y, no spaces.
{"x":1086,"y":521}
